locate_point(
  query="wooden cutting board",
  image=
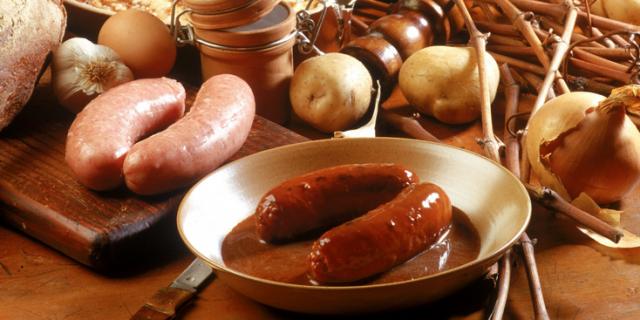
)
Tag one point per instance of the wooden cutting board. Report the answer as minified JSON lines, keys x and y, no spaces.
{"x":104,"y":230}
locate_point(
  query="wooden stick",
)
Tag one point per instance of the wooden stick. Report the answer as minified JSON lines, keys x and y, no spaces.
{"x":610,"y":53}
{"x":607,"y":42}
{"x":408,"y":125}
{"x":504,"y":282}
{"x":518,"y":63}
{"x":507,"y":41}
{"x":590,"y":57}
{"x":518,"y":51}
{"x":373,"y":4}
{"x":499,"y":28}
{"x":590,"y":84}
{"x":554,"y":201}
{"x":558,"y":11}
{"x":359,"y":26}
{"x":549,"y":23}
{"x":558,"y":57}
{"x":601,"y":70}
{"x":535,"y":287}
{"x":518,"y":19}
{"x":371,"y":14}
{"x":512,"y":94}
{"x":490,"y":145}
{"x":478,"y":39}
{"x":536,"y":82}
{"x":512,"y":148}
{"x":487,"y":11}
{"x":620,"y":41}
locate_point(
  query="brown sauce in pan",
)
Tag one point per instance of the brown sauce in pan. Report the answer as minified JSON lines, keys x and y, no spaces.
{"x":244,"y":252}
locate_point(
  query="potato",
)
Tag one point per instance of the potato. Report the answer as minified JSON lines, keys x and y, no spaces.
{"x":331,"y":92}
{"x":622,"y":10}
{"x":443,"y":82}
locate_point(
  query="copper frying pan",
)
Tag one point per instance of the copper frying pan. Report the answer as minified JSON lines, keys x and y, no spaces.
{"x":495,"y":201}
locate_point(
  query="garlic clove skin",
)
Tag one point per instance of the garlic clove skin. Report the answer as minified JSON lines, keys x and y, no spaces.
{"x":82,"y":70}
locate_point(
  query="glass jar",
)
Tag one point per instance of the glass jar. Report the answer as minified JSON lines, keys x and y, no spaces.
{"x":252,"y":39}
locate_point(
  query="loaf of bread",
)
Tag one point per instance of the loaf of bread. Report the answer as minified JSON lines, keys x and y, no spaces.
{"x":29,"y":31}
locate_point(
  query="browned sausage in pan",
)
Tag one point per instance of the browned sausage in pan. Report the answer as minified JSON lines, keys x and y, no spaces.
{"x":327,"y":197}
{"x":382,"y":238}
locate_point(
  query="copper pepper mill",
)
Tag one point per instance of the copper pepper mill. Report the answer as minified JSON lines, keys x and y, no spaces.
{"x":410,"y":26}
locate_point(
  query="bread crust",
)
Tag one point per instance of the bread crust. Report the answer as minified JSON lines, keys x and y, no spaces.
{"x":29,"y":31}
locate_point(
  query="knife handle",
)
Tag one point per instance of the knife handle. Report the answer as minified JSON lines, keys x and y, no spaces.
{"x":164,"y":304}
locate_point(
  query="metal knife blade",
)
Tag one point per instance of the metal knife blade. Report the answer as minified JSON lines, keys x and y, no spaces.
{"x":166,"y":302}
{"x":194,"y":276}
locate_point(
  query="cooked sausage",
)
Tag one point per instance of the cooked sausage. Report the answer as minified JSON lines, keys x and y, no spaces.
{"x":213,"y":130}
{"x":327,"y":197}
{"x":101,"y":135}
{"x":382,"y":238}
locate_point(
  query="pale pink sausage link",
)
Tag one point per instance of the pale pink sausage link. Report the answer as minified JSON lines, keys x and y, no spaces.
{"x":213,"y":130}
{"x":101,"y":135}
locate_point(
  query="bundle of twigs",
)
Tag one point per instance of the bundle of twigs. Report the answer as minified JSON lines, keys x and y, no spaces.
{"x":523,"y":44}
{"x":548,"y":48}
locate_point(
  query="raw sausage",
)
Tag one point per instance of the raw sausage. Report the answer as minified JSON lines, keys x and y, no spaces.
{"x":101,"y":135}
{"x":213,"y":130}
{"x":382,"y":238}
{"x":327,"y":197}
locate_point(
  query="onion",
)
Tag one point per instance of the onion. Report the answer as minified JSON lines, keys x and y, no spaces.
{"x":584,"y":142}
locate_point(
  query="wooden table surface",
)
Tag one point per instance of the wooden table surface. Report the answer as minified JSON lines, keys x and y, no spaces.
{"x":580,"y":279}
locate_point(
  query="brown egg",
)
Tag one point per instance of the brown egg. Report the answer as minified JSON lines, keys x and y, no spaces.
{"x":142,"y":41}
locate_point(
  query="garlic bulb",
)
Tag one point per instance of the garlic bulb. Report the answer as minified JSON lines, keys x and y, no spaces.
{"x":82,"y":70}
{"x":584,"y":142}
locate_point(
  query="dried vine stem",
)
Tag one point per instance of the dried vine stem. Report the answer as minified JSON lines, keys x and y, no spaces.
{"x":620,"y":76}
{"x":408,"y":125}
{"x":517,"y":17}
{"x":536,"y":82}
{"x":590,"y":57}
{"x":609,"y":69}
{"x":360,"y":27}
{"x":504,"y":279}
{"x":546,"y":22}
{"x":554,"y":201}
{"x":512,"y":98}
{"x":535,"y":287}
{"x":512,"y":151}
{"x":373,"y":4}
{"x":558,"y":56}
{"x":479,"y":41}
{"x":490,"y":145}
{"x":607,"y":42}
{"x":559,"y":10}
{"x":586,"y":84}
{"x":610,"y":53}
{"x":520,"y":64}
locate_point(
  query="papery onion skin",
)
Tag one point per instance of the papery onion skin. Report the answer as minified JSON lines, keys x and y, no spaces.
{"x":554,"y":117}
{"x":573,"y":148}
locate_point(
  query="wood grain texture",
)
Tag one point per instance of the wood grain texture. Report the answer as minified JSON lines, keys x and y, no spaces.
{"x":105,"y":230}
{"x":580,"y":280}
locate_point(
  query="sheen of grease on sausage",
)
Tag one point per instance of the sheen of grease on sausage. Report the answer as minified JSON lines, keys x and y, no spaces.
{"x":327,"y":197}
{"x":382,"y":238}
{"x":213,"y":130}
{"x":104,"y":131}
